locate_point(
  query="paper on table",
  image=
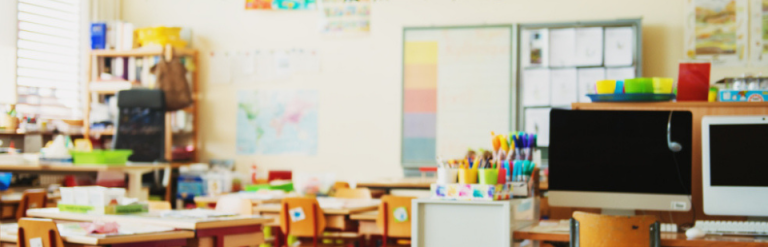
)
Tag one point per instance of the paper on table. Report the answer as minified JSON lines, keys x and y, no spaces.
{"x":220,"y":65}
{"x":587,"y":79}
{"x":193,"y":214}
{"x":619,"y":46}
{"x":536,"y":86}
{"x":534,"y":47}
{"x":537,"y":121}
{"x":564,"y":86}
{"x":589,"y":46}
{"x":562,"y":47}
{"x":619,"y":73}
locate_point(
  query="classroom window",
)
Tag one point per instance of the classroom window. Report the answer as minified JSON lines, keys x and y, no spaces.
{"x":49,"y":60}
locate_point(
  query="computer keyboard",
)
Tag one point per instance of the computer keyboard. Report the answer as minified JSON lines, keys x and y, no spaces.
{"x":748,"y":228}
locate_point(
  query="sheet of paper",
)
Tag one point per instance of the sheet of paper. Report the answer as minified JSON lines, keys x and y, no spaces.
{"x":220,"y":64}
{"x":619,"y":46}
{"x":265,"y":64}
{"x":587,"y":79}
{"x":620,"y":73}
{"x":312,"y":64}
{"x":537,"y":121}
{"x":282,"y":64}
{"x":562,"y":47}
{"x":534,"y":47}
{"x":564,"y":86}
{"x":243,"y":67}
{"x":589,"y":46}
{"x":536,"y":86}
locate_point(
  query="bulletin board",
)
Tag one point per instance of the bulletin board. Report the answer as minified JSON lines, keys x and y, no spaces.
{"x":560,"y":62}
{"x":457,"y":88}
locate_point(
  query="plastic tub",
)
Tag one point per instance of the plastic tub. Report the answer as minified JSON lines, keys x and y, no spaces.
{"x":116,"y":157}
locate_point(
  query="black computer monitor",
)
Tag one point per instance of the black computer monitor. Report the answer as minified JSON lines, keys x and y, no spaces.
{"x":620,"y":160}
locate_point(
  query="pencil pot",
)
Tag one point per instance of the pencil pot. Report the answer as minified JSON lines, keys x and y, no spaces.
{"x":488,"y":176}
{"x":447,"y":175}
{"x":467,"y":176}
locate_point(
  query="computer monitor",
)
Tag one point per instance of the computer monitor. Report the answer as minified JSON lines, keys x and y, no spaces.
{"x":620,"y":161}
{"x":734,"y":165}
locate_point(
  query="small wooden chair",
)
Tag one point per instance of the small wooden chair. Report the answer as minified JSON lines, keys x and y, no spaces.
{"x":390,"y":226}
{"x":158,"y":206}
{"x":308,"y":221}
{"x":44,"y":230}
{"x":595,"y":230}
{"x":234,"y":205}
{"x":359,"y":193}
{"x":34,"y":198}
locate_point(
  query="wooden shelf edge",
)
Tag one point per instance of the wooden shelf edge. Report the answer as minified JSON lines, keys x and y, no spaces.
{"x":141,"y":52}
{"x":669,"y":104}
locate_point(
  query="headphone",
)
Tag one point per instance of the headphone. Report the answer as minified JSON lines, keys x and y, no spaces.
{"x":673,"y":146}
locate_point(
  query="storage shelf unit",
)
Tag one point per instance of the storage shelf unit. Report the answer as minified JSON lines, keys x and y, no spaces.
{"x":93,"y":95}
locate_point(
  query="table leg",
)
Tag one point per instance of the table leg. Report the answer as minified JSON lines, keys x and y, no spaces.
{"x":134,"y":184}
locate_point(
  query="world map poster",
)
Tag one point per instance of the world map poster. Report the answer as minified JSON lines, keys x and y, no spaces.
{"x":274,"y":122}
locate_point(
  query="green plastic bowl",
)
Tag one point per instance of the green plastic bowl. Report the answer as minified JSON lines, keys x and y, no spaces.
{"x":116,"y":157}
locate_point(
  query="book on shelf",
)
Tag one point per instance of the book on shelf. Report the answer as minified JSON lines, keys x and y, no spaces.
{"x":114,"y":85}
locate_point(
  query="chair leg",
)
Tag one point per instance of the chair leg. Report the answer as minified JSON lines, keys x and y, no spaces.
{"x":277,"y":234}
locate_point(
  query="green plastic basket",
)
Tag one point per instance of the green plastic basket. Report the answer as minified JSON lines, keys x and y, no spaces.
{"x":288,"y":187}
{"x":116,"y":157}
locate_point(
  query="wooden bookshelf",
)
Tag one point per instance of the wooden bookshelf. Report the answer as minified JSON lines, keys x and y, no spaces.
{"x":93,"y":72}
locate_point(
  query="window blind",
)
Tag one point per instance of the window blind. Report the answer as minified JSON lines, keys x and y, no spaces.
{"x":48,"y":75}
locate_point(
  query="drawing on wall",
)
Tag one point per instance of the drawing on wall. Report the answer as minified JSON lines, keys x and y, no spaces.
{"x":716,"y":30}
{"x":281,"y":4}
{"x":345,"y":16}
{"x":759,"y":32}
{"x":273,"y":122}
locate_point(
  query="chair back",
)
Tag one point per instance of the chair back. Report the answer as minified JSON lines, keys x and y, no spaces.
{"x":35,"y":198}
{"x":394,"y":218}
{"x":359,"y":193}
{"x":33,"y":232}
{"x":301,"y":217}
{"x":140,"y":124}
{"x":158,"y":206}
{"x":234,"y":205}
{"x":595,"y":230}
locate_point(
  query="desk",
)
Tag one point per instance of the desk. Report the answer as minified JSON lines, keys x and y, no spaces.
{"x":134,"y":172}
{"x":399,"y":183}
{"x":219,"y":232}
{"x":367,"y":223}
{"x":171,"y":238}
{"x":667,"y":239}
{"x":335,"y":217}
{"x":255,"y":202}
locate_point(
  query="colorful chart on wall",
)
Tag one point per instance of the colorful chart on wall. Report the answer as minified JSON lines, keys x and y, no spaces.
{"x":716,"y":30}
{"x":456,"y":90}
{"x":345,"y":16}
{"x":281,"y":4}
{"x":273,"y":122}
{"x":759,"y":32}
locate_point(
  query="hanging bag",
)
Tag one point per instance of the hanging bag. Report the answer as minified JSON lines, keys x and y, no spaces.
{"x":172,"y":80}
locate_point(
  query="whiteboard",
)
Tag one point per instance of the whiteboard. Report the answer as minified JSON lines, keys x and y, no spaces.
{"x":457,"y":85}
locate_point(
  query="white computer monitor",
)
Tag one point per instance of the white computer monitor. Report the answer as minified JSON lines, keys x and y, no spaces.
{"x":735,"y":165}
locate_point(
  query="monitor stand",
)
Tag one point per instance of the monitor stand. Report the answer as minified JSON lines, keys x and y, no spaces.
{"x":617,"y":212}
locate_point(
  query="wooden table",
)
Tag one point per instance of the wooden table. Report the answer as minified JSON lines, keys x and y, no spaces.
{"x":214,"y":199}
{"x":335,"y":218}
{"x":134,"y":171}
{"x":667,"y":239}
{"x":399,"y":183}
{"x":367,"y":223}
{"x":170,"y":238}
{"x":219,"y":232}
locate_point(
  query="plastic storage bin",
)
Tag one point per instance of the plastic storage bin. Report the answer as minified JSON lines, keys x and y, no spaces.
{"x":116,"y":157}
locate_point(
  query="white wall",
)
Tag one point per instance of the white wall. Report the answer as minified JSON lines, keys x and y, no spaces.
{"x":8,"y":51}
{"x":360,"y":86}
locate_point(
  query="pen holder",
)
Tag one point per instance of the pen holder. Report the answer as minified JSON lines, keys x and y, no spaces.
{"x":467,"y":176}
{"x":502,"y":178}
{"x":487,"y":176}
{"x":447,"y":175}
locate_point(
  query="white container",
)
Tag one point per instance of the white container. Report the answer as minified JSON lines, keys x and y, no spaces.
{"x":67,"y":195}
{"x":447,"y":175}
{"x":81,"y":196}
{"x":97,"y":196}
{"x":115,"y":195}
